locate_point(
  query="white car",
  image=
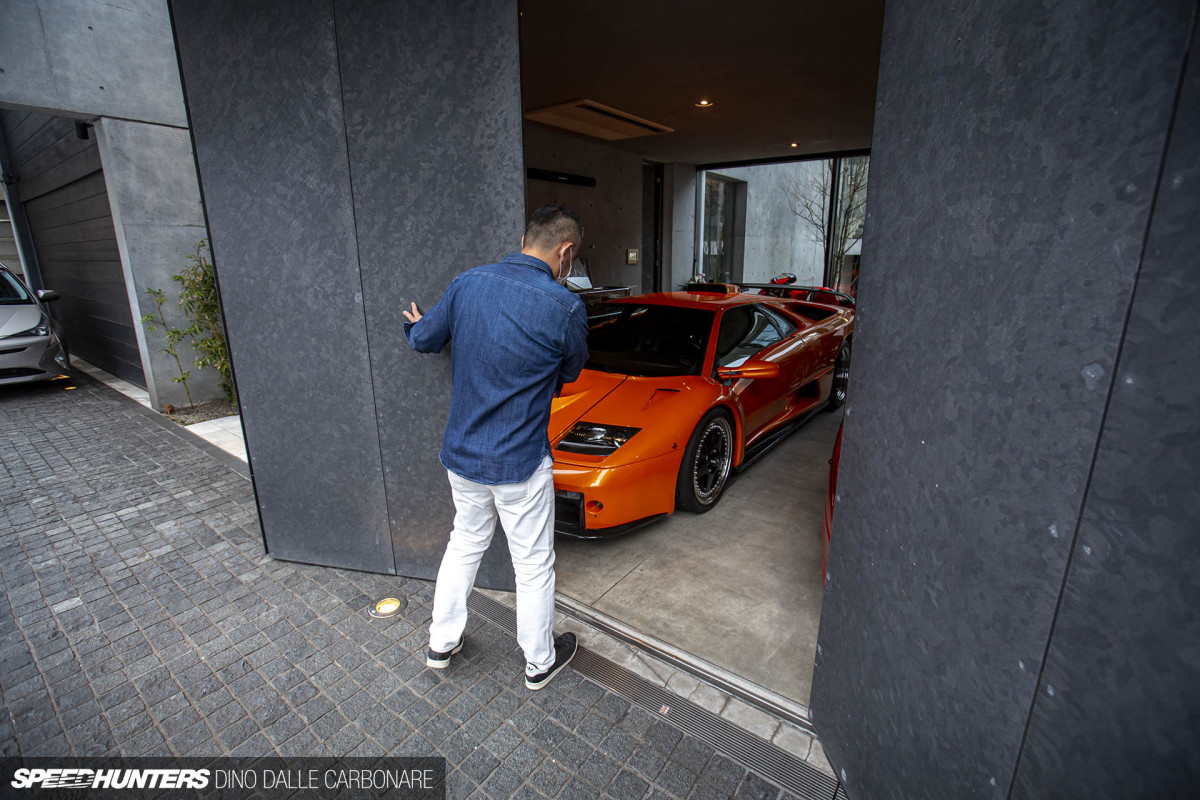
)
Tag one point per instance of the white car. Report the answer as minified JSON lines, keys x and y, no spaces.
{"x":32,"y":347}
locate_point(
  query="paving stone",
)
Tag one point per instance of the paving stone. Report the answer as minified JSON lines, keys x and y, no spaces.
{"x":708,"y":698}
{"x":664,"y":736}
{"x":503,"y":741}
{"x":795,"y":741}
{"x":502,"y":783}
{"x":173,"y":633}
{"x":479,"y":765}
{"x":525,"y":759}
{"x":577,"y":789}
{"x":816,"y":758}
{"x":629,"y":786}
{"x":676,"y":779}
{"x":599,"y":770}
{"x":752,"y":719}
{"x":527,"y":718}
{"x":571,"y":752}
{"x":549,"y":778}
{"x":755,"y":787}
{"x":692,"y":753}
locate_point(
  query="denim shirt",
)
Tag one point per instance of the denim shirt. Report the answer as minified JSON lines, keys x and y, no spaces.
{"x":518,"y":336}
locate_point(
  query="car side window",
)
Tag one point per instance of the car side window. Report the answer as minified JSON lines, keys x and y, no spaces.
{"x":11,"y":290}
{"x":745,"y":330}
{"x":786,"y":327}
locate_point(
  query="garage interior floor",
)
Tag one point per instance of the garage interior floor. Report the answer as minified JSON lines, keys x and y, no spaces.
{"x":740,"y":586}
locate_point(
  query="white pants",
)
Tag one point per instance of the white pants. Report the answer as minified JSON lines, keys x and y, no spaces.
{"x":526,"y":511}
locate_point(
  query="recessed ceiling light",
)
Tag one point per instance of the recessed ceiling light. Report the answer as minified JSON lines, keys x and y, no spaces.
{"x":795,"y":144}
{"x":705,"y":104}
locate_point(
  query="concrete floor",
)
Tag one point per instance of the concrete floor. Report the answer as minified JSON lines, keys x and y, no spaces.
{"x":740,"y":586}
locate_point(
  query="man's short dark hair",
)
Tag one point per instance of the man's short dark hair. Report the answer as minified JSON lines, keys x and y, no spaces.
{"x":551,"y":225}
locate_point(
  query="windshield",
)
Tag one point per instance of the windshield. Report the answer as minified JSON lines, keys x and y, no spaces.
{"x":647,"y":340}
{"x":12,"y":293}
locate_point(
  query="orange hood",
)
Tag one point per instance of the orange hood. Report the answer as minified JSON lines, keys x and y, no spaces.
{"x":580,"y":397}
{"x":666,"y":409}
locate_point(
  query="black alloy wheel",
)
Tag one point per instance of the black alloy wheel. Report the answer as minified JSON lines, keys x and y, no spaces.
{"x":841,"y":378}
{"x":706,"y":463}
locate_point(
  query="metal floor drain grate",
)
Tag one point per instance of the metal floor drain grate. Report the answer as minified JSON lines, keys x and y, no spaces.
{"x":759,"y":755}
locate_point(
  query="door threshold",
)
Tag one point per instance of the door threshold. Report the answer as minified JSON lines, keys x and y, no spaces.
{"x":734,"y":685}
{"x":801,"y":778}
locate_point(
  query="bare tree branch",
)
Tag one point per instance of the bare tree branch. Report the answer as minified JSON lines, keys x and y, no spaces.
{"x":808,"y":197}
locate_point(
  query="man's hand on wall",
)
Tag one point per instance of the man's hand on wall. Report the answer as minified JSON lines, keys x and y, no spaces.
{"x":413,"y":315}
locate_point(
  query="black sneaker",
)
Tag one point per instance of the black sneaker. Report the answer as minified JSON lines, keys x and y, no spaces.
{"x":436,"y":660}
{"x":564,"y":650}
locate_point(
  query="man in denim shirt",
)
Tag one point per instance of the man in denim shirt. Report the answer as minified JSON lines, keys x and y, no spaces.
{"x":518,"y":335}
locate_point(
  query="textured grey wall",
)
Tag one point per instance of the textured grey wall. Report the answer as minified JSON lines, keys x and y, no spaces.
{"x":611,"y":211}
{"x":354,"y":157}
{"x":1118,"y":703}
{"x":680,"y":246}
{"x":433,"y":123}
{"x":91,"y":59}
{"x":151,"y":180}
{"x":264,"y":98}
{"x":1014,"y":164}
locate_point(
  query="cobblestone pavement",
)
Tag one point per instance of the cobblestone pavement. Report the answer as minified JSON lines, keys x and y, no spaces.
{"x":141,"y":617}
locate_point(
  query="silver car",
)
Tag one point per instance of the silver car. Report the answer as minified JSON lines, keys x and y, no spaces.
{"x":32,"y":347}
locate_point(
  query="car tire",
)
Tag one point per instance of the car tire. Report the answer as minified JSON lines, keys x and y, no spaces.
{"x":841,"y":379}
{"x":707,"y":463}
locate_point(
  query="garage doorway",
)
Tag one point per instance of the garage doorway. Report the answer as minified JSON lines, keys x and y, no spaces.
{"x":780,"y":98}
{"x":66,"y":202}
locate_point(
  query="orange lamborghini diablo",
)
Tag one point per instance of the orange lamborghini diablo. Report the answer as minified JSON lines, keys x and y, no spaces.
{"x":680,"y":390}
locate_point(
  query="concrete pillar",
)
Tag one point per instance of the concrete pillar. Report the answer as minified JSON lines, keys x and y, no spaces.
{"x":353,"y":157}
{"x":151,"y":180}
{"x":1011,"y":595}
{"x":680,"y":255}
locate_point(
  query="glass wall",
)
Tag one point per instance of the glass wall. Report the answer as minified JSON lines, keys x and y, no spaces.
{"x":847,"y":224}
{"x":801,"y":218}
{"x":719,"y":223}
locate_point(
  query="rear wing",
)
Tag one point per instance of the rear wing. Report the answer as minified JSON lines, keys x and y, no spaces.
{"x":811,"y":293}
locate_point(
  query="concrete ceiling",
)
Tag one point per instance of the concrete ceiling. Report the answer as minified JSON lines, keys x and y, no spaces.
{"x":777,"y":71}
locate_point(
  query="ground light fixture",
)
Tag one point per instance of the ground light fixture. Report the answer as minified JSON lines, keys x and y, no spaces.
{"x":387,"y":607}
{"x":705,"y":103}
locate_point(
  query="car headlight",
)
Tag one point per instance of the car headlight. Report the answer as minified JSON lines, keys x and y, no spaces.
{"x":41,"y":329}
{"x":594,"y":439}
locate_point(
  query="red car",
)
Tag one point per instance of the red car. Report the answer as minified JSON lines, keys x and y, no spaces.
{"x":831,"y":496}
{"x":680,"y":390}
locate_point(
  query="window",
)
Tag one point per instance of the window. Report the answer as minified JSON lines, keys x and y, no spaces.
{"x":785,"y":326}
{"x":803,"y":218}
{"x":724,"y":228}
{"x":11,"y":291}
{"x":745,"y":330}
{"x":649,"y":340}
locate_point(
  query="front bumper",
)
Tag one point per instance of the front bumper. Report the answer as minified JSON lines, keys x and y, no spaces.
{"x":32,"y":358}
{"x":594,"y":501}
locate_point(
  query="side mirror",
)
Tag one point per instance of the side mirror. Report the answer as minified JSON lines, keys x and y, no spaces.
{"x":749,"y":371}
{"x":47,"y":295}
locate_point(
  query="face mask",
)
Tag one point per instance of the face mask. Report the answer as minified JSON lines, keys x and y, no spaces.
{"x":563,"y":271}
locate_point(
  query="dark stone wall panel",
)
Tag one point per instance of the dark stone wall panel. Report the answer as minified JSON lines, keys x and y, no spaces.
{"x":262,"y":88}
{"x":1118,"y":705}
{"x":433,"y":119}
{"x":1014,"y":159}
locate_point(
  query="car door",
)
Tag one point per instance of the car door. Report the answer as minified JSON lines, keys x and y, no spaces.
{"x":746,"y":332}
